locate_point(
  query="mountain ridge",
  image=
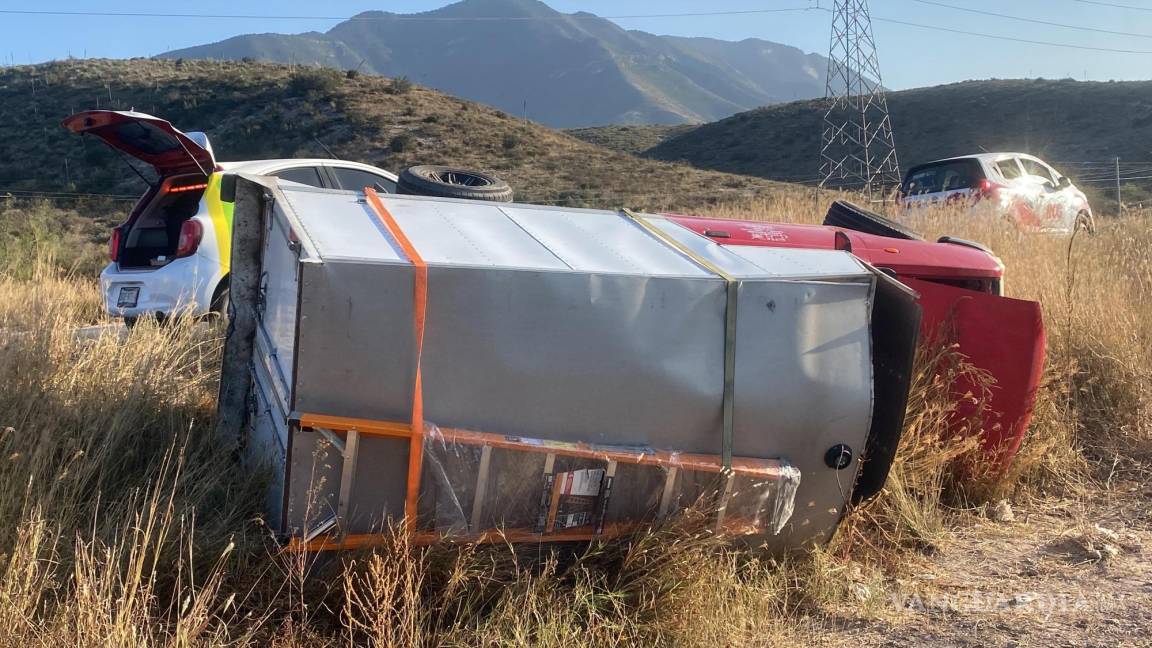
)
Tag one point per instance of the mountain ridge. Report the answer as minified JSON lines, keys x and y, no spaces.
{"x":1074,"y":125}
{"x":563,"y":70}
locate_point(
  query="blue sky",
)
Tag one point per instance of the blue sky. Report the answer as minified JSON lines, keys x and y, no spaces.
{"x":909,"y":56}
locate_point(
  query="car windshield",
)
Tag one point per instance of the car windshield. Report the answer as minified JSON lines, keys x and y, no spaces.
{"x":943,"y":176}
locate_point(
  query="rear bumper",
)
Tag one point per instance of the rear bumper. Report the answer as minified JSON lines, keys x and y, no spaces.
{"x":183,"y":286}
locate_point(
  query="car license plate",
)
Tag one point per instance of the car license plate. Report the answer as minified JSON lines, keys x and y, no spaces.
{"x":128,"y":297}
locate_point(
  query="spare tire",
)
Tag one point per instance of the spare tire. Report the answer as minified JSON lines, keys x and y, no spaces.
{"x":849,"y":216}
{"x":450,"y":182}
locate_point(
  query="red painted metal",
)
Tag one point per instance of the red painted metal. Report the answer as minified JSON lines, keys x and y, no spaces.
{"x":907,"y":258}
{"x":144,"y":137}
{"x":1002,"y":336}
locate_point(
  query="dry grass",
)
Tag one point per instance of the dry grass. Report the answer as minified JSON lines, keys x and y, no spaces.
{"x":124,"y":524}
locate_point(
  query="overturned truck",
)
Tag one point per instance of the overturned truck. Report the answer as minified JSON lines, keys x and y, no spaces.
{"x":479,"y":371}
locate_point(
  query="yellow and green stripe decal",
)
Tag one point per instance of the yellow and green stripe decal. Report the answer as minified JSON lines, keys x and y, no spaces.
{"x":220,"y":213}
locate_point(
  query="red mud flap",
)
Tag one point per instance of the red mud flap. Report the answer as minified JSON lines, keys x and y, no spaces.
{"x":1002,"y":336}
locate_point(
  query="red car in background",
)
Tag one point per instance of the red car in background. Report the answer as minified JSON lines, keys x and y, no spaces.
{"x":960,"y":284}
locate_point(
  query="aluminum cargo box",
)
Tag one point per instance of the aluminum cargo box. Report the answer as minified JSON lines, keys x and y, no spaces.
{"x":581,"y":371}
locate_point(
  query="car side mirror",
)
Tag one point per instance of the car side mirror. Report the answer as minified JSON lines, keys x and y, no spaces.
{"x":1063,"y":182}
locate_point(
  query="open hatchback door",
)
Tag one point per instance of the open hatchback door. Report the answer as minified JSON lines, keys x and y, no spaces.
{"x":149,"y":139}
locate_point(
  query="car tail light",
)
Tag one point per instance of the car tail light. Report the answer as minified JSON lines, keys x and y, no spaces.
{"x":989,"y":189}
{"x":842,"y":242}
{"x":190,"y":234}
{"x":114,"y":243}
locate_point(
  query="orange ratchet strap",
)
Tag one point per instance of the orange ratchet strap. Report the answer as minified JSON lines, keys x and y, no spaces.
{"x":420,"y":311}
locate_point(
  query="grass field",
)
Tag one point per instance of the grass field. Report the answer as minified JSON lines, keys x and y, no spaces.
{"x":122,"y":523}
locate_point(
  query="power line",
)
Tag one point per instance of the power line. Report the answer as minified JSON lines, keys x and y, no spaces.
{"x":1010,"y":38}
{"x":1113,"y":4}
{"x":1032,"y":20}
{"x":396,"y":17}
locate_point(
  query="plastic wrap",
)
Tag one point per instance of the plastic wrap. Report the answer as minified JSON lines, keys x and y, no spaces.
{"x":475,"y":484}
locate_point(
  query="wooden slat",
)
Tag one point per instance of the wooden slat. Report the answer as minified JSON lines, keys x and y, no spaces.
{"x":669,"y":490}
{"x":725,"y":497}
{"x":364,"y":426}
{"x":481,"y":488}
{"x":348,"y":474}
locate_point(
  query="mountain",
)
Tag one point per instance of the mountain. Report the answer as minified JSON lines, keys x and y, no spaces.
{"x":563,"y":70}
{"x":1074,"y":125}
{"x":258,"y":110}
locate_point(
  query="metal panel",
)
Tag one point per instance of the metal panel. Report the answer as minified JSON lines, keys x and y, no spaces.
{"x":602,"y":242}
{"x":265,"y":447}
{"x":804,"y":384}
{"x":356,"y":355}
{"x":276,"y":324}
{"x":494,"y":339}
{"x":339,"y":225}
{"x":470,"y":234}
{"x":574,"y":357}
{"x":313,"y":481}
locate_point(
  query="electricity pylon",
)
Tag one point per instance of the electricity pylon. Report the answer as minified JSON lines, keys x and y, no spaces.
{"x":856,"y":149}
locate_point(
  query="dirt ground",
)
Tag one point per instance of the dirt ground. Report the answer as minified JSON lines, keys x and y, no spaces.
{"x":1061,"y":573}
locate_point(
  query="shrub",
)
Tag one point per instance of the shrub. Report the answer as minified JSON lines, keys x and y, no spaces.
{"x":400,"y":85}
{"x":510,"y":141}
{"x":313,"y":83}
{"x":351,"y":74}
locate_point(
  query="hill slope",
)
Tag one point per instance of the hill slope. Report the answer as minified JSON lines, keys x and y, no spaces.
{"x":565,"y":70}
{"x":634,"y":139}
{"x":256,"y":110}
{"x":1060,"y":121}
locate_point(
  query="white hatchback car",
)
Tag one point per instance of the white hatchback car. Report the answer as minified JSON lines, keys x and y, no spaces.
{"x":173,"y":253}
{"x":1018,"y":186}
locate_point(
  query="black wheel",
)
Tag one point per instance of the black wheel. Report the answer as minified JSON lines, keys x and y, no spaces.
{"x":129,"y":322}
{"x":846,"y":215}
{"x":1085,"y":222}
{"x":219,"y":306}
{"x":449,"y":182}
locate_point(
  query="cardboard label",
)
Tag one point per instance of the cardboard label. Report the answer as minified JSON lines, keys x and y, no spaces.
{"x":579,"y":490}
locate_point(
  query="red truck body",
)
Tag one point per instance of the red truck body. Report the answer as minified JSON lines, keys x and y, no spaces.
{"x":960,"y":286}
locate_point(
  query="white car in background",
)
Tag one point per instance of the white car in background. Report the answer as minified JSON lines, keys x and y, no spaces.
{"x":1017,"y":186}
{"x":173,"y":253}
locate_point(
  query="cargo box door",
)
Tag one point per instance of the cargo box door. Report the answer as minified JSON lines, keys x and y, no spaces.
{"x":276,"y":314}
